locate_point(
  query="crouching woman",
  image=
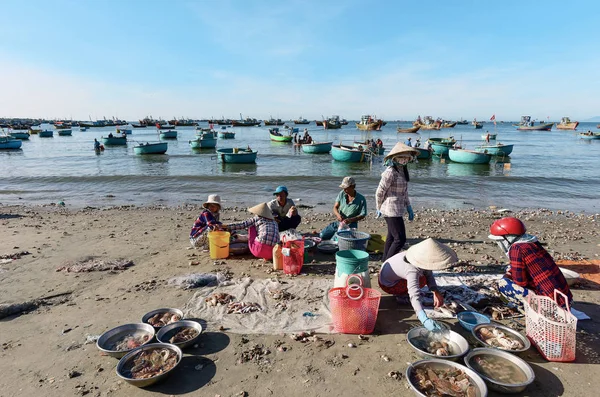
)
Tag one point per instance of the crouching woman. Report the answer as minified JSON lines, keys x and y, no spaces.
{"x":263,"y":232}
{"x":207,"y":220}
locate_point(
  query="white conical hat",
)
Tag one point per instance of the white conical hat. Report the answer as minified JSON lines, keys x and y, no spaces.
{"x":431,"y":255}
{"x":262,"y":210}
{"x":400,"y":149}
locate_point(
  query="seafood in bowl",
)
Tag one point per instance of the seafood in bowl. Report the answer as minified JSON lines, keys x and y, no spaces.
{"x":495,"y":337}
{"x":120,"y":340}
{"x":502,"y":371}
{"x":149,"y":364}
{"x":160,"y":317}
{"x":130,"y":342}
{"x":184,"y":334}
{"x":435,"y":378}
{"x":181,"y":333}
{"x":447,"y":344}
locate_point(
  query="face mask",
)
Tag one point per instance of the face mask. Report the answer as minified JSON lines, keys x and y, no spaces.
{"x":504,"y":246}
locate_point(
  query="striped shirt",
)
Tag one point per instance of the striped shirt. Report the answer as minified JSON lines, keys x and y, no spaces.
{"x":204,"y":220}
{"x":391,"y":196}
{"x":267,"y":231}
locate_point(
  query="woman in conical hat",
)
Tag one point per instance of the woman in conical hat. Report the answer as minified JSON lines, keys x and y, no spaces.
{"x":263,"y":232}
{"x":391,"y":197}
{"x":406,"y":272}
{"x":207,"y":220}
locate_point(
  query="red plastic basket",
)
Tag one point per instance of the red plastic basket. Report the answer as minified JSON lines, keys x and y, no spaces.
{"x":354,"y":308}
{"x":293,"y":256}
{"x":551,"y":328}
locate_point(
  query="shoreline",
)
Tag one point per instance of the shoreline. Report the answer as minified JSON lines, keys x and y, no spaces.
{"x":42,"y":348}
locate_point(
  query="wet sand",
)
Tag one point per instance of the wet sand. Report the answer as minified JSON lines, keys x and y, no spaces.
{"x":44,"y":351}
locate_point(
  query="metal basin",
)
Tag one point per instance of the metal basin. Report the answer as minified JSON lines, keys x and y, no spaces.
{"x":124,"y":362}
{"x":108,"y":339}
{"x":168,"y":331}
{"x":442,"y":364}
{"x":149,"y":315}
{"x":452,"y":336}
{"x":327,"y":247}
{"x":570,"y":275}
{"x":508,"y":388}
{"x":506,"y":330}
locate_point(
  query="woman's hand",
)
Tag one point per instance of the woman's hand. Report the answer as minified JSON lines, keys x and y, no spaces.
{"x":438,"y":299}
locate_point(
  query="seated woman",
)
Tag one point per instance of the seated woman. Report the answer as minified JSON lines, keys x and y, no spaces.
{"x":208,"y":220}
{"x":281,"y":207}
{"x":531,"y":269}
{"x":263,"y":232}
{"x":349,"y":208}
{"x":405,"y":273}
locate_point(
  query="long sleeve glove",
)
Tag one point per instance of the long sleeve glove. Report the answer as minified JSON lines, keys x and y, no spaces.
{"x":377,"y":214}
{"x":411,"y":214}
{"x":429,"y":324}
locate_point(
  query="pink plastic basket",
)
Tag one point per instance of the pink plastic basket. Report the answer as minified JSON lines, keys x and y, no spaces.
{"x":354,"y":308}
{"x":551,"y":328}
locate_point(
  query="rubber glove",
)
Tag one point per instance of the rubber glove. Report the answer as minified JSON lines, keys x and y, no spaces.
{"x":377,"y":214}
{"x":429,"y":324}
{"x":411,"y":214}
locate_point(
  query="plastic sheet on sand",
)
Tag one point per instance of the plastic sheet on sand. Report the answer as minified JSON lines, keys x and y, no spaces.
{"x":310,"y":296}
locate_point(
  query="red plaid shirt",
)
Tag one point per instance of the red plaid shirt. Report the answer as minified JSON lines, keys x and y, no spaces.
{"x":532,"y":267}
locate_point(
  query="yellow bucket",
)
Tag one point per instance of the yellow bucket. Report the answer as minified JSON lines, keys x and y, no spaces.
{"x":218,"y":244}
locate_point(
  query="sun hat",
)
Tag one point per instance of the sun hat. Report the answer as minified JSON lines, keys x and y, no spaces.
{"x":347,"y":182}
{"x":213,"y":199}
{"x":261,"y":210}
{"x":401,"y":149}
{"x":280,"y":189}
{"x":431,"y":255}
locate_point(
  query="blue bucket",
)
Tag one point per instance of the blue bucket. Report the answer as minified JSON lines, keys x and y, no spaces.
{"x":470,"y":319}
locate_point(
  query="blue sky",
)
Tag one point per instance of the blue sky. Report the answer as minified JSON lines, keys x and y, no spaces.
{"x":396,"y":59}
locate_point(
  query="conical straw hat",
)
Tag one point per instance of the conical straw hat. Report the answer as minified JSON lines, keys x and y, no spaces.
{"x":401,"y":148}
{"x":431,"y":255}
{"x":262,"y":210}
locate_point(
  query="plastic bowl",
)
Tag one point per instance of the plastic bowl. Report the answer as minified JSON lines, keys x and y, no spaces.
{"x":107,"y":340}
{"x":148,"y":381}
{"x":570,"y":275}
{"x":470,"y":319}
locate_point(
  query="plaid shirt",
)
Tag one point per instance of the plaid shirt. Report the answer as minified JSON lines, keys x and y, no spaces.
{"x":204,"y":220}
{"x":267,"y":231}
{"x":532,"y":267}
{"x":391,"y":197}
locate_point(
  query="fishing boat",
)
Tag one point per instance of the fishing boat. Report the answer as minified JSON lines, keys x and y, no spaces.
{"x":114,"y":141}
{"x":462,"y":122}
{"x":465,"y":156}
{"x":377,"y":150}
{"x":492,"y":136}
{"x":35,"y":131}
{"x":60,"y":125}
{"x":204,"y":141}
{"x":349,"y":154}
{"x":567,"y":124}
{"x":369,"y":123}
{"x":449,"y":124}
{"x":527,"y":124}
{"x":273,"y":121}
{"x":226,"y":135}
{"x":46,"y":134}
{"x":424,"y":154}
{"x":151,"y":148}
{"x":127,"y":131}
{"x":276,"y":136}
{"x":345,"y":122}
{"x":9,"y":143}
{"x":68,"y":132}
{"x":440,"y":146}
{"x":19,"y":134}
{"x":82,"y":128}
{"x":317,"y":147}
{"x":301,"y":120}
{"x":183,"y":122}
{"x":237,"y":156}
{"x":498,"y":149}
{"x":164,"y":127}
{"x":478,"y":125}
{"x":332,"y":123}
{"x":411,"y":130}
{"x":247,"y":122}
{"x":319,"y":123}
{"x":589,"y":135}
{"x":138,"y":125}
{"x":168,"y":134}
{"x":428,"y":123}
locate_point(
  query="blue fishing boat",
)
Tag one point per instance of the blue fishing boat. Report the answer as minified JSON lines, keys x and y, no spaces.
{"x":377,"y":150}
{"x":46,"y":134}
{"x":424,"y":154}
{"x":237,"y":156}
{"x":19,"y":134}
{"x":168,"y":134}
{"x":83,"y":128}
{"x":68,"y":132}
{"x":349,"y":154}
{"x":317,"y":147}
{"x":498,"y":149}
{"x":9,"y":143}
{"x":468,"y":156}
{"x":441,"y":148}
{"x":114,"y":141}
{"x":226,"y":135}
{"x":589,"y":135}
{"x":151,"y":148}
{"x":204,"y":141}
{"x":127,"y":131}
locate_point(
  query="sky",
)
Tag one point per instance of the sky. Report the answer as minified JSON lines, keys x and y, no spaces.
{"x":89,"y":59}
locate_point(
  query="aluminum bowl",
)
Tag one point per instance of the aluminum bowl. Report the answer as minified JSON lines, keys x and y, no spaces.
{"x":506,"y":388}
{"x":328,"y":247}
{"x":149,"y":381}
{"x":452,"y":336}
{"x":168,"y":331}
{"x":506,"y":330}
{"x":570,"y":276}
{"x":437,"y":363}
{"x":148,"y":315}
{"x":107,"y":340}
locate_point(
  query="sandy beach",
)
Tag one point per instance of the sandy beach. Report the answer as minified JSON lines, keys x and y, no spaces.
{"x":44,"y":350}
